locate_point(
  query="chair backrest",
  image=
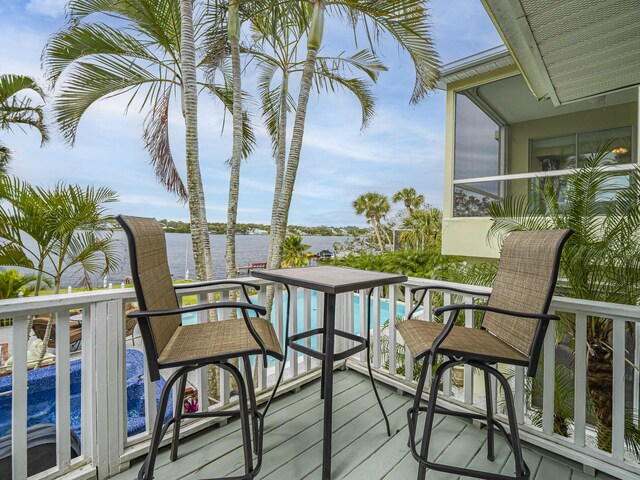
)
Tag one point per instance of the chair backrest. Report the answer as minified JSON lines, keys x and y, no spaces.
{"x":152,"y":282}
{"x":525,"y":282}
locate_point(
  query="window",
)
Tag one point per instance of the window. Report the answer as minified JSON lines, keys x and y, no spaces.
{"x":476,"y":154}
{"x":572,"y":151}
{"x":477,"y":141}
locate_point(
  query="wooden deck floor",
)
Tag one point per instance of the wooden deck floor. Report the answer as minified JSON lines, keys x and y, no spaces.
{"x":361,"y":448}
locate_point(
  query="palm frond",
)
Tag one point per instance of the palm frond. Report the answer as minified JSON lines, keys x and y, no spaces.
{"x":90,"y":82}
{"x":85,"y":40}
{"x":156,"y":139}
{"x":407,"y":21}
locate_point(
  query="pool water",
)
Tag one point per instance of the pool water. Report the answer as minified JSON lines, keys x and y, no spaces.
{"x":191,"y":318}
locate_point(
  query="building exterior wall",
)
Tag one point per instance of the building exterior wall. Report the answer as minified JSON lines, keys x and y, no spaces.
{"x":464,"y":236}
{"x":467,"y":236}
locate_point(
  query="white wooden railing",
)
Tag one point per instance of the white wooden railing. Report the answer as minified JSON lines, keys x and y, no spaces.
{"x":107,"y":449}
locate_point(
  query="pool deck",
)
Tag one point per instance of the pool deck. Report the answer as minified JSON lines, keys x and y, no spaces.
{"x":361,"y":448}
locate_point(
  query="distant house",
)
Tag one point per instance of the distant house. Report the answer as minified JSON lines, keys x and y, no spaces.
{"x":532,"y":111}
{"x":325,"y":255}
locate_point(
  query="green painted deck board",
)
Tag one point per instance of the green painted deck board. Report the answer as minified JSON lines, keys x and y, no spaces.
{"x":361,"y":448}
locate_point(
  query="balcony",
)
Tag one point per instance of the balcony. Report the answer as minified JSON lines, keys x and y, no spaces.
{"x":111,"y":447}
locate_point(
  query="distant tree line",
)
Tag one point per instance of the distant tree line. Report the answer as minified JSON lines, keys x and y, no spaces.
{"x":175,"y":226}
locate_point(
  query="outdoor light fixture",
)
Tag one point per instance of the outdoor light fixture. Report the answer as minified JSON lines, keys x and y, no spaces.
{"x":620,"y":150}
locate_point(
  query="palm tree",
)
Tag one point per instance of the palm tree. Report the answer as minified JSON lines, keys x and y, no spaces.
{"x":234,"y":26}
{"x":56,"y":231}
{"x":406,"y":21}
{"x":421,"y":227}
{"x":19,"y":111}
{"x":374,"y":206}
{"x":295,"y":253}
{"x":277,"y":35}
{"x":601,"y":260}
{"x":410,"y":198}
{"x":148,"y":52}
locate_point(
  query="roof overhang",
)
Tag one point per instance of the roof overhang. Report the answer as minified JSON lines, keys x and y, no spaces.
{"x":473,"y":65}
{"x":573,"y":49}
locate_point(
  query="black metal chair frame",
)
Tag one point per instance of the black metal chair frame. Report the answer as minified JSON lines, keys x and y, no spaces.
{"x":488,"y":367}
{"x":246,"y":391}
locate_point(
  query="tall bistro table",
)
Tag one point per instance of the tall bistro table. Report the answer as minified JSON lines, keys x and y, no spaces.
{"x":331,"y":281}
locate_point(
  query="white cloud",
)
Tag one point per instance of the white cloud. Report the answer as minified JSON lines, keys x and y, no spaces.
{"x":50,"y":8}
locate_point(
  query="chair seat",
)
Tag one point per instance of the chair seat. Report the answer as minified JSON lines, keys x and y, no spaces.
{"x":468,"y":343}
{"x":223,"y":339}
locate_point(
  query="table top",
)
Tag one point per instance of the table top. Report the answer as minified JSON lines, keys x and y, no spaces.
{"x":330,"y":279}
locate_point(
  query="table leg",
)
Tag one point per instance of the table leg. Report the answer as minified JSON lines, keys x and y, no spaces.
{"x":327,"y":381}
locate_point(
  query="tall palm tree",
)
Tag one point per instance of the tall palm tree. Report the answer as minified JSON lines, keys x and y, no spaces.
{"x":197,"y":208}
{"x":374,"y":206}
{"x":601,"y":260}
{"x":19,"y":111}
{"x":140,"y":53}
{"x":233,"y":27}
{"x":295,"y":253}
{"x":406,"y":21}
{"x":409,"y":198}
{"x":277,"y":37}
{"x":56,"y":231}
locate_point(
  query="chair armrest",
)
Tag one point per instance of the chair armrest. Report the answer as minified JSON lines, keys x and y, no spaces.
{"x":425,"y":289}
{"x":244,"y":285}
{"x":198,"y":308}
{"x":456,"y":308}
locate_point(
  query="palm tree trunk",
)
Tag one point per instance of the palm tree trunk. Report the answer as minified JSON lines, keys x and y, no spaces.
{"x":236,"y":155}
{"x":376,"y":229}
{"x":197,"y":209}
{"x":280,"y":217}
{"x":281,"y":159}
{"x":281,"y":155}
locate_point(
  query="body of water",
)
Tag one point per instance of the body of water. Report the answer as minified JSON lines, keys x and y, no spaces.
{"x":249,"y":249}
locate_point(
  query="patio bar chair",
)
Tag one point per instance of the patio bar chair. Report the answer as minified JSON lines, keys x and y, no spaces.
{"x":514,"y":323}
{"x":169,"y":344}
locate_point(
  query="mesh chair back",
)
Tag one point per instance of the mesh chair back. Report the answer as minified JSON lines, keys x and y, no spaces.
{"x":525,"y":282}
{"x":152,"y":279}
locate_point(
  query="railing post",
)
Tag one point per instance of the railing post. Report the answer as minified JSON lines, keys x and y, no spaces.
{"x":63,"y":389}
{"x":225,"y":381}
{"x":262,"y":372}
{"x":468,"y":370}
{"x":376,"y":328}
{"x":202,"y":374}
{"x":580,"y":376}
{"x":88,"y":385}
{"x":364,"y":307}
{"x":18,"y":399}
{"x":617,"y":427}
{"x":307,"y":326}
{"x":393,"y":369}
{"x":293,"y":328}
{"x":277,"y":301}
{"x":100,"y":317}
{"x":446,"y":382}
{"x":549,"y":384}
{"x":408,"y":358}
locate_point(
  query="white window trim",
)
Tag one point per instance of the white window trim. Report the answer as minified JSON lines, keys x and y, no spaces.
{"x":547,"y":174}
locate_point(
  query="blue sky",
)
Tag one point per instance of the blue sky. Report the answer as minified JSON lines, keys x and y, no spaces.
{"x":403,"y":146}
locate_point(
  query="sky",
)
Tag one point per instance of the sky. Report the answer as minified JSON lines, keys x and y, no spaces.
{"x":402,"y":147}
